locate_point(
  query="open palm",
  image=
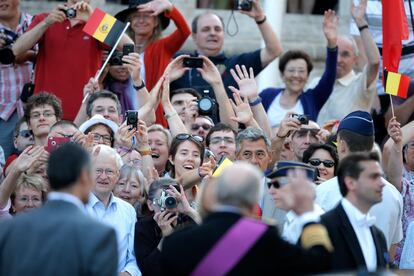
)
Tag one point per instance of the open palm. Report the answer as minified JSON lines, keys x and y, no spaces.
{"x":246,"y":82}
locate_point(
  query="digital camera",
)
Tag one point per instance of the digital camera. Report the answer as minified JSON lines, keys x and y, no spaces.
{"x":165,"y":201}
{"x":303,"y":119}
{"x":6,"y":53}
{"x":116,"y":58}
{"x":244,"y":5}
{"x":206,"y":105}
{"x":132,"y":118}
{"x":69,"y":13}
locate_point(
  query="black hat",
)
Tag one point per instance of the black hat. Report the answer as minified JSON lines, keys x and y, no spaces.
{"x":283,"y":167}
{"x":359,"y":122}
{"x":132,"y":7}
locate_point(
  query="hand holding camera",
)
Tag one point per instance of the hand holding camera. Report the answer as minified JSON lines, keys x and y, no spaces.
{"x":164,"y":220}
{"x":7,"y":38}
{"x":209,"y":72}
{"x":176,"y":68}
{"x":58,"y":15}
{"x":80,"y":10}
{"x":288,"y":124}
{"x":123,"y":137}
{"x":251,"y":8}
{"x":132,"y":62}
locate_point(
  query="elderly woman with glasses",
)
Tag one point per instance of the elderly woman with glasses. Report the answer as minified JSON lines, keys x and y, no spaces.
{"x":102,"y":130}
{"x":324,"y":157}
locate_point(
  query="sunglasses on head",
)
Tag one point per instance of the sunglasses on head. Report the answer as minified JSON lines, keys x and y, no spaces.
{"x":326,"y":163}
{"x":185,"y":136}
{"x":204,"y":126}
{"x":27,"y":133}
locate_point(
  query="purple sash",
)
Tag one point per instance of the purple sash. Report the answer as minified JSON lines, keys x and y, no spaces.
{"x":231,"y":248}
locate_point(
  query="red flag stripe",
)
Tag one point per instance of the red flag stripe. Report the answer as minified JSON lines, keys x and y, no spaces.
{"x":403,"y":87}
{"x":94,"y":21}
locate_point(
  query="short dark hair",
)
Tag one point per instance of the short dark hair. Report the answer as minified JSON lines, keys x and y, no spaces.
{"x":66,"y":164}
{"x":41,"y":99}
{"x":63,"y":123}
{"x":219,"y":127}
{"x":307,"y":154}
{"x":350,"y":166}
{"x":102,"y":94}
{"x":356,"y":142}
{"x":295,"y":54}
{"x":191,"y":91}
{"x":194,"y":23}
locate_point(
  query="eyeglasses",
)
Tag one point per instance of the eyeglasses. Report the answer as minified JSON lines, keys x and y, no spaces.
{"x":136,"y":163}
{"x":185,"y":136}
{"x":25,"y":199}
{"x":278,"y":183}
{"x":26,"y":133}
{"x":46,"y":114}
{"x":106,"y":138}
{"x":218,"y":140}
{"x":317,"y":162}
{"x":65,"y":135}
{"x":108,"y":172}
{"x":204,"y":126}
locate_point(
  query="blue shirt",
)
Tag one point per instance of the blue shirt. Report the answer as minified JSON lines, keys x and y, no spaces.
{"x":121,"y":216}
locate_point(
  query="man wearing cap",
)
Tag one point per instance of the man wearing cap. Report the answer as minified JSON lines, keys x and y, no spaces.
{"x":280,"y":189}
{"x":250,"y":247}
{"x":356,"y":134}
{"x":208,"y":35}
{"x":358,"y":244}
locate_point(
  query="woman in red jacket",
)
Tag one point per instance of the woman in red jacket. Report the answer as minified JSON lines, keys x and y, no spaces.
{"x":148,"y":19}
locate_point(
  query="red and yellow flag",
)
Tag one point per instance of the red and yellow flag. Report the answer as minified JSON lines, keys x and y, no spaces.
{"x":104,"y":27}
{"x":396,"y":84}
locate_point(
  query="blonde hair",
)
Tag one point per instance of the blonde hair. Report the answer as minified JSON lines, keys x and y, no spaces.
{"x":31,"y":181}
{"x":156,"y":33}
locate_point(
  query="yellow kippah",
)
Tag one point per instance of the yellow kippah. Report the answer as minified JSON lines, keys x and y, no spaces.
{"x":316,"y":234}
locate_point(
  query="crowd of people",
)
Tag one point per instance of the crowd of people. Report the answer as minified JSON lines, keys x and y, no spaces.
{"x":175,"y":163}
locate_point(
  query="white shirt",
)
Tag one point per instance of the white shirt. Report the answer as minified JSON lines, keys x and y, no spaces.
{"x":121,"y":216}
{"x":388,"y":212}
{"x":352,"y":90}
{"x":66,"y":197}
{"x":361,"y":224}
{"x":276,"y":112}
{"x":292,"y":229}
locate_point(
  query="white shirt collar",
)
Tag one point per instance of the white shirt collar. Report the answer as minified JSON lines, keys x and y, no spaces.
{"x":347,"y":79}
{"x":93,"y":200}
{"x":356,"y":216}
{"x":66,"y":197}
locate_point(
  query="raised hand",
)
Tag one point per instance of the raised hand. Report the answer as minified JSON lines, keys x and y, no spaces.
{"x":302,"y":190}
{"x":83,"y":10}
{"x":209,"y":72}
{"x":133,"y":63}
{"x":164,"y":220}
{"x":29,"y":157}
{"x":242,"y":109}
{"x":330,"y":28}
{"x":394,"y":131}
{"x":358,"y":12}
{"x":156,"y":7}
{"x":287,"y":125}
{"x":207,"y":167}
{"x":257,"y":12}
{"x":246,"y":82}
{"x":142,"y":134}
{"x":55,"y":16}
{"x":91,"y":87}
{"x":175,"y":68}
{"x":123,"y":137}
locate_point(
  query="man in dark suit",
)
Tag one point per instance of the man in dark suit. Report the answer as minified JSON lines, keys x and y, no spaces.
{"x":358,"y":244}
{"x":59,"y":238}
{"x":193,"y":250}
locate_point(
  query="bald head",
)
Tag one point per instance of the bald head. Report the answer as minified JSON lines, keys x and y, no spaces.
{"x":239,"y":185}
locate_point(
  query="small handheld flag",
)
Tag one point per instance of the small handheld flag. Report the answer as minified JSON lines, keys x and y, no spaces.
{"x":224,"y":164}
{"x":396,"y":84}
{"x":104,"y":27}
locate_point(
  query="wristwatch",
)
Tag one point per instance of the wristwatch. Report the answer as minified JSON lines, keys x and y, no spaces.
{"x":256,"y":101}
{"x":139,"y":87}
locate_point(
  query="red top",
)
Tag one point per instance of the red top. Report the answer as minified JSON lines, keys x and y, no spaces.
{"x":159,"y":53}
{"x":67,"y":58}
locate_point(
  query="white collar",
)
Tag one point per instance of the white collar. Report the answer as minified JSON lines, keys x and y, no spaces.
{"x":347,"y":79}
{"x":93,"y":200}
{"x":66,"y":197}
{"x":356,"y":216}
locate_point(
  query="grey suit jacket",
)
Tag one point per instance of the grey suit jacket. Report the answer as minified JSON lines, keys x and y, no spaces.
{"x":57,"y":239}
{"x":270,"y":212}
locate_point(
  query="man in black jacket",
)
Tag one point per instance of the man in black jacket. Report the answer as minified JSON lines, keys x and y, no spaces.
{"x":357,"y":242}
{"x":211,"y":249}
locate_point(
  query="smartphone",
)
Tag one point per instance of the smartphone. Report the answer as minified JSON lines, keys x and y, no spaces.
{"x":127,"y":49}
{"x":193,"y":62}
{"x":131,"y":117}
{"x":55,"y":142}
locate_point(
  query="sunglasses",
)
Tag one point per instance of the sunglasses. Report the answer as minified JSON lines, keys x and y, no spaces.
{"x":278,"y":183}
{"x":204,"y":126}
{"x":317,"y":162}
{"x":27,"y":133}
{"x":185,"y":136}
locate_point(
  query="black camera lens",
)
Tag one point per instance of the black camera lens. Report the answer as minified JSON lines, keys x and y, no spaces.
{"x":170,"y":202}
{"x":116,"y":59}
{"x":246,"y":5}
{"x":205,"y":104}
{"x":70,"y":13}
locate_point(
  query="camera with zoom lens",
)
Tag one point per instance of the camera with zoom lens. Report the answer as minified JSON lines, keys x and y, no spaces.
{"x":132,"y":118}
{"x":206,"y":105}
{"x":244,"y":5}
{"x":6,"y":53}
{"x":303,"y":119}
{"x":116,"y":58}
{"x":166,"y":201}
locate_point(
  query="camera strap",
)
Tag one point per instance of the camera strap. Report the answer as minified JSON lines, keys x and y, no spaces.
{"x":231,"y":248}
{"x":232,"y":16}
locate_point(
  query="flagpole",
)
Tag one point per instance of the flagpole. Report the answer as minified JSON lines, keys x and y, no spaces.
{"x":392,"y":106}
{"x":110,"y":54}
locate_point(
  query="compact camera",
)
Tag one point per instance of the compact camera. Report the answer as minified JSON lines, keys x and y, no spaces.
{"x":206,"y":105}
{"x":69,"y":13}
{"x":132,"y":118}
{"x":116,"y":58}
{"x":303,"y":119}
{"x":6,"y":53}
{"x":166,"y":201}
{"x":244,"y":5}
